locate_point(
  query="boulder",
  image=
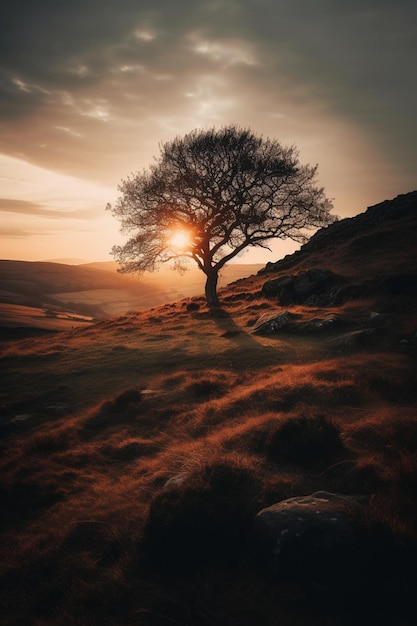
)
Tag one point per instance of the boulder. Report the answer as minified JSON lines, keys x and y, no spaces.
{"x":277,"y":286}
{"x":311,"y":281}
{"x":299,"y":529}
{"x":298,"y":288}
{"x":268,"y":323}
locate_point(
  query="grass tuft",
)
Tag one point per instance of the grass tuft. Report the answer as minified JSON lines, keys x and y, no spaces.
{"x":202,"y":519}
{"x":125,"y":407}
{"x":305,"y":440}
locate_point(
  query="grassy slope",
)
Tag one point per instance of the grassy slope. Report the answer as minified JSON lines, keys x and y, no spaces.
{"x":113,"y":411}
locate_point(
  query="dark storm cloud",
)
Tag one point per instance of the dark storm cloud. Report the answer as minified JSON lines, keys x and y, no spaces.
{"x":84,"y":78}
{"x":46,"y":44}
{"x":49,"y":41}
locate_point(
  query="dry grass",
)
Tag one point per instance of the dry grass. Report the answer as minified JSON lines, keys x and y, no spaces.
{"x":96,"y":421}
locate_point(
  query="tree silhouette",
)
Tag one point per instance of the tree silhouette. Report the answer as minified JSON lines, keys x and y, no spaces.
{"x":210,"y":195}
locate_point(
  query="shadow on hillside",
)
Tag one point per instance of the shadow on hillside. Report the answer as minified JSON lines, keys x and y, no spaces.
{"x":248,"y":350}
{"x":225,"y":322}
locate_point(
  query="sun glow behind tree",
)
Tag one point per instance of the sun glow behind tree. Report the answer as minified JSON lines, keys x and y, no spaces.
{"x":212,"y":194}
{"x":180,"y":239}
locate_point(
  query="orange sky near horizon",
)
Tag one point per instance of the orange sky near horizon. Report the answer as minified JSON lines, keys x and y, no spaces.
{"x":89,"y":92}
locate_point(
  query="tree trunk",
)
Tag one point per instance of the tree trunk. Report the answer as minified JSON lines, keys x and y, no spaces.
{"x":211,"y":289}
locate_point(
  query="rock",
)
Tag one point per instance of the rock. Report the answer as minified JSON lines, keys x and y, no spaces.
{"x":301,"y":527}
{"x":311,"y":281}
{"x":298,"y":288}
{"x":377,"y":320}
{"x":271,"y":323}
{"x":318,"y":324}
{"x":339,"y":295}
{"x":268,"y":323}
{"x":354,"y":338}
{"x":179,"y":479}
{"x":276,"y":286}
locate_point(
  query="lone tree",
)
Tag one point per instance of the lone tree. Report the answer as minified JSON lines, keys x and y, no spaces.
{"x":210,"y":195}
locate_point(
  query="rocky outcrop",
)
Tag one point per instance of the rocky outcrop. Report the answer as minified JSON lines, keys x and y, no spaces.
{"x":271,"y":323}
{"x":337,"y":331}
{"x":297,"y":289}
{"x":323,"y":288}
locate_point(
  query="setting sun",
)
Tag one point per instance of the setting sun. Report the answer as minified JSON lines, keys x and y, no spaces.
{"x":179,"y":239}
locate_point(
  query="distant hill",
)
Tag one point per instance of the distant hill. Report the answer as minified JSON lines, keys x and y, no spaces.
{"x":55,"y":296}
{"x":67,"y":261}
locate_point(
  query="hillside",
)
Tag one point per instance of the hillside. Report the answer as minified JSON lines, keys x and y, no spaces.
{"x":379,"y":241}
{"x":253,"y":464}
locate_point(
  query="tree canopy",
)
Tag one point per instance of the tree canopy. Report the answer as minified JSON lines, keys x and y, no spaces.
{"x":210,"y":195}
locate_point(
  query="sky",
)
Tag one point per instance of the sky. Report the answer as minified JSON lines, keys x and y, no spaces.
{"x":90,"y":90}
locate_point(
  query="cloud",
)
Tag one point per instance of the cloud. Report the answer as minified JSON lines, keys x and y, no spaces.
{"x":90,"y":88}
{"x":24,"y":207}
{"x":69,"y":131}
{"x":226,"y":52}
{"x":17,"y":233}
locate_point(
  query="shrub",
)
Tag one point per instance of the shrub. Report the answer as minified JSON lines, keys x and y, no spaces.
{"x":305,"y":441}
{"x":201,"y":520}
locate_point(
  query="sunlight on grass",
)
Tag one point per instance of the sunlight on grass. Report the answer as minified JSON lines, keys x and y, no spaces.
{"x":136,"y":452}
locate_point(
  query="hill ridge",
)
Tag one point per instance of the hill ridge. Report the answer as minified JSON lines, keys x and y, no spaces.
{"x":334,"y":234}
